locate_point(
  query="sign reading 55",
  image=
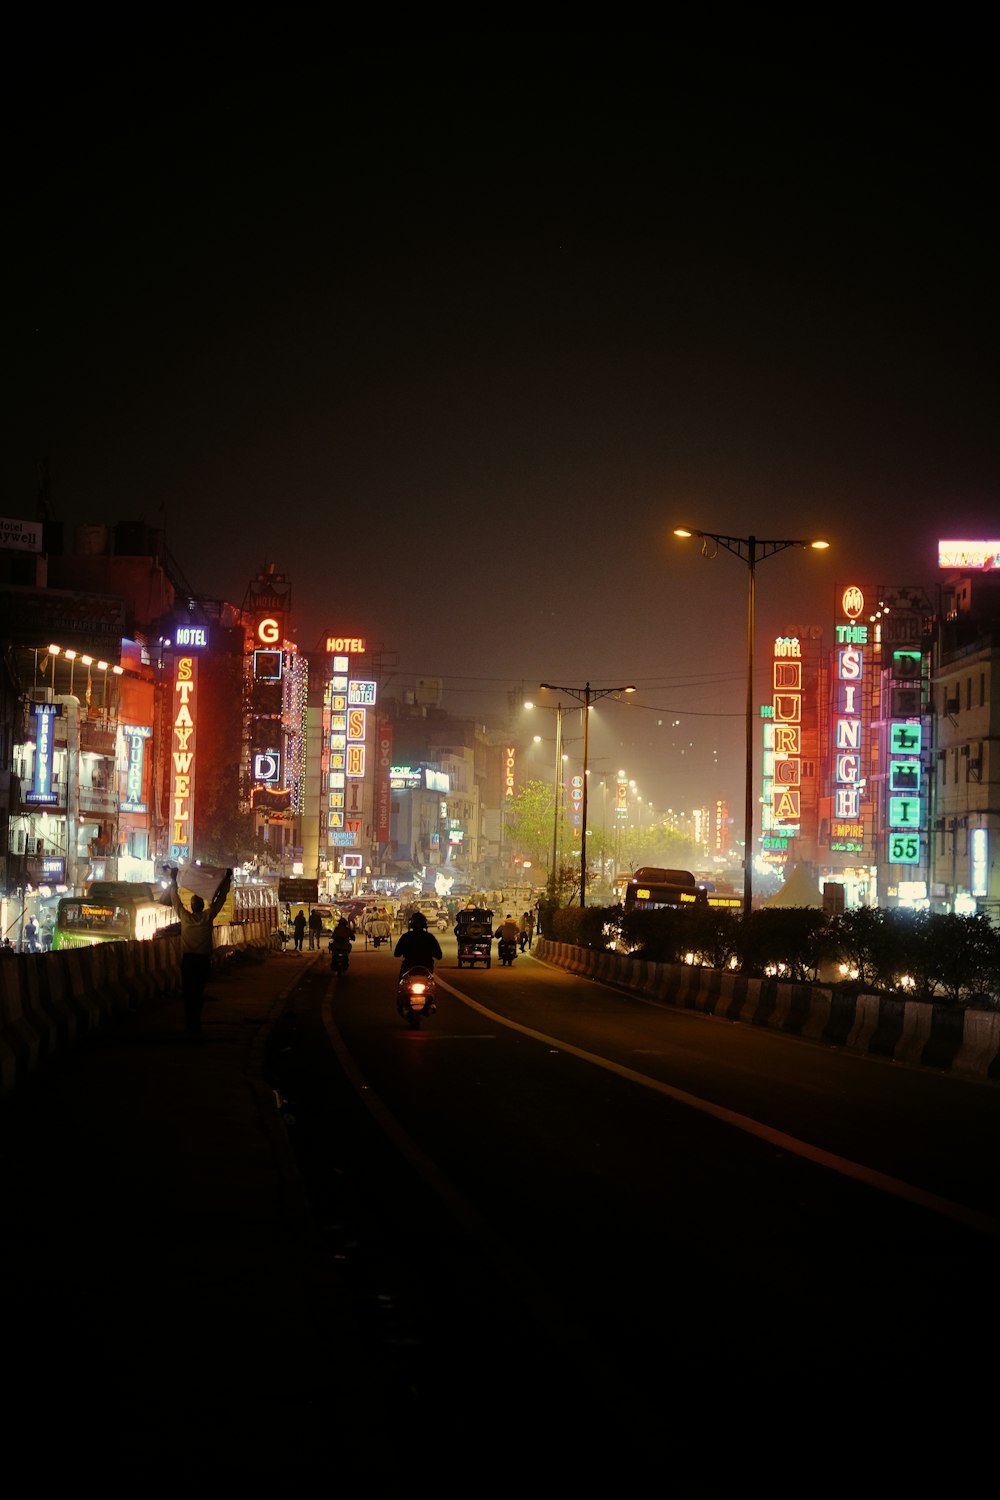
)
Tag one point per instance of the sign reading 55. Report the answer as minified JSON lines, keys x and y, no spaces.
{"x":904,"y":849}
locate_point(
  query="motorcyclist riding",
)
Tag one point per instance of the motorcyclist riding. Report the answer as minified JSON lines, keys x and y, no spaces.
{"x":417,"y":947}
{"x":340,"y":942}
{"x":507,"y":931}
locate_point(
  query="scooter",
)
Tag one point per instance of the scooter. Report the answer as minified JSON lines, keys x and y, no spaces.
{"x":506,"y":951}
{"x":416,"y":995}
{"x":340,"y":959}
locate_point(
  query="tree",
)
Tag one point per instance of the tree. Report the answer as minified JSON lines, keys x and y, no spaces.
{"x":529,"y":818}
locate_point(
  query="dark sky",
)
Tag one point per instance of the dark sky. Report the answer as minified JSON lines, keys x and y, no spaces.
{"x":454,"y":327}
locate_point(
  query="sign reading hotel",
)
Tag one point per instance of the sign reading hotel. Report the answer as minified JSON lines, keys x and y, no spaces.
{"x":345,"y":645}
{"x":182,"y":749}
{"x":850,"y":749}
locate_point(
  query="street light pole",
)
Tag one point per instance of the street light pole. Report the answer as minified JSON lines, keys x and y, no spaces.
{"x":556,"y":803}
{"x":586,"y":695}
{"x":751,"y":550}
{"x":556,"y":792}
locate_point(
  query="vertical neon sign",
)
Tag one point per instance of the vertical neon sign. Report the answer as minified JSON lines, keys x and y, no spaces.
{"x":786,"y":786}
{"x":182,"y":758}
{"x":847,"y":824}
{"x":508,"y":773}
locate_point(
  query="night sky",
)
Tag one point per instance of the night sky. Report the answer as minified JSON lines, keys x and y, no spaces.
{"x":453,"y":328}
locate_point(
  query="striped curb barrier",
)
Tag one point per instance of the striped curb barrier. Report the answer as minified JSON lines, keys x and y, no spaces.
{"x":919,"y":1033}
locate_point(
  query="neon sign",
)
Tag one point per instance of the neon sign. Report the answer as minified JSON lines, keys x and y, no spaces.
{"x":182,"y":749}
{"x":42,"y":789}
{"x":849,"y":748}
{"x":786,"y":703}
{"x":983,"y":556}
{"x":135,"y":736}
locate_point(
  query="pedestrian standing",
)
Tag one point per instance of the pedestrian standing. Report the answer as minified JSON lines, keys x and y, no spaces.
{"x":315,"y":927}
{"x":299,"y":929}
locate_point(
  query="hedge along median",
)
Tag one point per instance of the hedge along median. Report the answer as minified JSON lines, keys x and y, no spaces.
{"x":919,"y":1033}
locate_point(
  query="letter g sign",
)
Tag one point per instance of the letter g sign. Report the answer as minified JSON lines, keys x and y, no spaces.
{"x":268,"y":631}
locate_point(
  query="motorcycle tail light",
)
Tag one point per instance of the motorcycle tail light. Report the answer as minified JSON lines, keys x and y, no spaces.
{"x":418,"y":989}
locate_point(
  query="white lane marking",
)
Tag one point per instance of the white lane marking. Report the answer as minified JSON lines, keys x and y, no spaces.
{"x":881,"y":1181}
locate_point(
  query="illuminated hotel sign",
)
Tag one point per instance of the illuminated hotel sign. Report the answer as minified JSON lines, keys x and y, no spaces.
{"x":42,"y":790}
{"x":269,"y":631}
{"x":336,"y":818}
{"x":508,"y":773}
{"x":984,"y":557}
{"x":353,"y":645}
{"x":849,"y":746}
{"x":135,"y":736}
{"x":182,"y":748}
{"x":190,"y":636}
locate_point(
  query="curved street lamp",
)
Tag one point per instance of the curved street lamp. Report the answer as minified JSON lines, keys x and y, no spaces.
{"x":751,"y":550}
{"x":586,"y":695}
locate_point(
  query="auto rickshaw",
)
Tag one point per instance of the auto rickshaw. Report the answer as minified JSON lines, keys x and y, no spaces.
{"x":474,"y":931}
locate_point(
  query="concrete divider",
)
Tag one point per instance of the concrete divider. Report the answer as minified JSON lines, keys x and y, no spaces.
{"x":42,"y":1015}
{"x":51,"y":1002}
{"x":20,"y":1041}
{"x":930,"y":1035}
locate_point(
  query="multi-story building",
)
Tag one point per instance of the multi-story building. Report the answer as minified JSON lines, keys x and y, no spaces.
{"x":964,"y":830}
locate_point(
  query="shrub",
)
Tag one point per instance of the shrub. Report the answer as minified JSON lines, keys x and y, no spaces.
{"x":792,"y":940}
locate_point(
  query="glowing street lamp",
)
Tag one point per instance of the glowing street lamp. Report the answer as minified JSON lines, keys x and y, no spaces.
{"x":586,"y":695}
{"x":751,"y":550}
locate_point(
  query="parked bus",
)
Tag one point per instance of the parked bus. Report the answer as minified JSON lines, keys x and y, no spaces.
{"x":650,"y":888}
{"x":111,"y":912}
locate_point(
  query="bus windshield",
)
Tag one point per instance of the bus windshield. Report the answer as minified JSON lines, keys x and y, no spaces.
{"x":94,"y":918}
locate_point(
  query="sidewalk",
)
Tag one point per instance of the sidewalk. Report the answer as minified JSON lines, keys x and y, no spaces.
{"x":167,"y":1304}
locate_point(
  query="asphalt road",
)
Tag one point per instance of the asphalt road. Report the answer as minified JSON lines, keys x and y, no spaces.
{"x":632,"y":1219}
